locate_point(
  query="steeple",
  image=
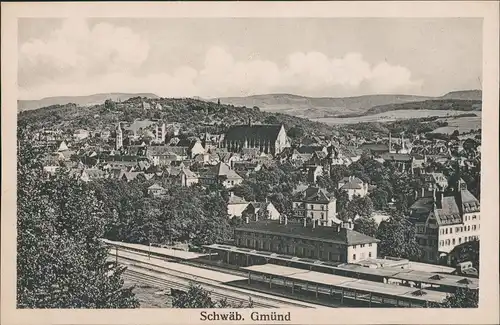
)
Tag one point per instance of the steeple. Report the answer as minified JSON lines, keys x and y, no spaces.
{"x":119,"y":137}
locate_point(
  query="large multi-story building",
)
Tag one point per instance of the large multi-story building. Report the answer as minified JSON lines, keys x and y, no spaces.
{"x":316,"y":204}
{"x":268,"y":138}
{"x":443,"y":222}
{"x":337,"y":244}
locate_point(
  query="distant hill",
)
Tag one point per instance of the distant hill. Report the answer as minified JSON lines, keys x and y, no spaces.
{"x":318,"y":107}
{"x":464,"y":95}
{"x":24,"y":105}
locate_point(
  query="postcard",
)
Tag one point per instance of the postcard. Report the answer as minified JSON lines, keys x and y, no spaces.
{"x":250,"y":162}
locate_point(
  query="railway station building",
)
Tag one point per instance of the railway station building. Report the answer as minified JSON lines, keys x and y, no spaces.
{"x":336,"y":244}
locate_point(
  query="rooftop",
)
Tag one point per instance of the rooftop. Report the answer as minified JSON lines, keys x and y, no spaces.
{"x":265,"y":132}
{"x":297,"y":230}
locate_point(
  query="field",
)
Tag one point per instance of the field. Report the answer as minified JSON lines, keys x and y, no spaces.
{"x":462,"y":124}
{"x":399,"y":115}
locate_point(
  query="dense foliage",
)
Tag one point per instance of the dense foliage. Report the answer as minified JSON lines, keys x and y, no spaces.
{"x":195,"y":116}
{"x":185,"y":214}
{"x":197,"y":297}
{"x":60,"y":261}
{"x":397,"y":238}
{"x":275,"y":184}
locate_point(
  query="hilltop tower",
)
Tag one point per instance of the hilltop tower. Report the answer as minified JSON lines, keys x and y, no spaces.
{"x":119,"y":137}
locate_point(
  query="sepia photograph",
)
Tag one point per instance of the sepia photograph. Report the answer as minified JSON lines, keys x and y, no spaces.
{"x":248,"y":166}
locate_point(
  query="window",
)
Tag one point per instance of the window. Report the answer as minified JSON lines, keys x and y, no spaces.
{"x":459,"y":240}
{"x":474,"y":227}
{"x":322,"y":207}
{"x":457,"y":229}
{"x":322,"y":215}
{"x":451,"y":230}
{"x":474,"y":217}
{"x":362,"y":245}
{"x":354,"y":246}
{"x":369,"y":245}
{"x":311,"y":206}
{"x":369,"y":254}
{"x":453,"y":241}
{"x":446,"y":231}
{"x":468,"y":228}
{"x":312,"y":214}
{"x":354,"y":257}
{"x":447,"y":241}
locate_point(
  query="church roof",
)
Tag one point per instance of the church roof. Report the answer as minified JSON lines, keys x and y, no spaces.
{"x":262,"y":132}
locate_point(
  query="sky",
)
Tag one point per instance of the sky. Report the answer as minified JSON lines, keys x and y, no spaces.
{"x":224,"y":57}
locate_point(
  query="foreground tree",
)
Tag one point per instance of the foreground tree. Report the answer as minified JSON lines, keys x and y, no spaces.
{"x":60,"y":261}
{"x":397,"y":238}
{"x":197,"y":297}
{"x":461,"y":298}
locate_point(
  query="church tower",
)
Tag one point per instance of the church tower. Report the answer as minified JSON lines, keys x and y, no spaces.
{"x":119,"y":137}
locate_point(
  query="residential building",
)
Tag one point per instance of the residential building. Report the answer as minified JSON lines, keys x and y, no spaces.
{"x":317,"y":205}
{"x":353,"y":186}
{"x":221,"y":173}
{"x":336,"y":244}
{"x":443,"y":222}
{"x":81,"y":134}
{"x":236,"y":205}
{"x":156,"y":190}
{"x":187,"y":177}
{"x":261,"y":211}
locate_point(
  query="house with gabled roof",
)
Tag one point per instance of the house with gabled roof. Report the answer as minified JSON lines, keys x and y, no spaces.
{"x":316,"y":204}
{"x":353,"y":186}
{"x":444,"y":221}
{"x":221,"y":173}
{"x":261,"y":211}
{"x":188,"y":177}
{"x":236,"y":205}
{"x":156,"y":190}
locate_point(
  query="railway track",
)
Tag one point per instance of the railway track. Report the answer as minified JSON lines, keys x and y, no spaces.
{"x":153,"y":281}
{"x":164,"y":275}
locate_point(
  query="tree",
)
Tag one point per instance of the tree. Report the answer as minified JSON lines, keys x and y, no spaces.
{"x":379,"y":198}
{"x":197,"y":297}
{"x":366,"y":226}
{"x":461,"y":298}
{"x":272,"y":119}
{"x":361,"y":206}
{"x":296,"y":132}
{"x":61,"y":262}
{"x":397,"y":238}
{"x":110,"y":105}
